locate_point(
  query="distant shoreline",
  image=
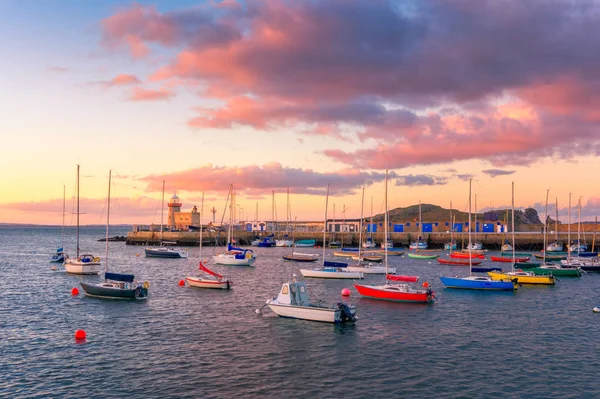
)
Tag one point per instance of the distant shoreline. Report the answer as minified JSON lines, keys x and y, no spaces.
{"x":8,"y":225}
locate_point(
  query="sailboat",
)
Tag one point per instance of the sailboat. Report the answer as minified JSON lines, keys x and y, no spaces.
{"x":477,"y":282}
{"x":59,"y":256}
{"x":555,"y":246}
{"x":233,"y":256}
{"x":115,"y":285}
{"x":330,"y":269}
{"x":475,"y":245}
{"x":285,"y":241}
{"x":369,"y":243}
{"x":293,"y":302}
{"x":506,"y":247}
{"x":368,"y":268}
{"x":419,"y":244}
{"x":162,"y":251}
{"x":578,"y":246}
{"x":208,"y":279}
{"x":82,"y":263}
{"x":521,"y":276}
{"x":395,"y":292}
{"x":451,"y":246}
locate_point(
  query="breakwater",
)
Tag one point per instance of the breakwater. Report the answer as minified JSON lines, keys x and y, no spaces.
{"x":523,"y":241}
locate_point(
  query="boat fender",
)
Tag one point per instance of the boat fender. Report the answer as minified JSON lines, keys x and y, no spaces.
{"x":96,"y":259}
{"x":146,"y":285}
{"x":248,"y":255}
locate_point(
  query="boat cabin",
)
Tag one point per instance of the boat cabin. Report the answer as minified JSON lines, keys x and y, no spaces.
{"x":294,"y":293}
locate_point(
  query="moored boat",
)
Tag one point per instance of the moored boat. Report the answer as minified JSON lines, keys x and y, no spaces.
{"x":305,"y":243}
{"x":209,"y":279}
{"x":165,"y":252}
{"x":456,"y":262}
{"x":293,"y":302}
{"x":300,"y":258}
{"x":421,"y":256}
{"x":508,"y":260}
{"x":117,"y":286}
{"x":523,"y":277}
{"x":466,"y":255}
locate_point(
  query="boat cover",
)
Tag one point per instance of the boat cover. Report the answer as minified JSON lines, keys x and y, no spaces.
{"x":128,"y":278}
{"x":329,"y":263}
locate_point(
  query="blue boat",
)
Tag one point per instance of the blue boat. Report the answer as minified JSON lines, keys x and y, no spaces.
{"x":305,"y":243}
{"x":59,"y":256}
{"x":117,"y":286}
{"x":350,"y":249}
{"x":268,"y":242}
{"x":485,"y":269}
{"x":329,"y":263}
{"x":587,"y":254}
{"x":478,"y":283}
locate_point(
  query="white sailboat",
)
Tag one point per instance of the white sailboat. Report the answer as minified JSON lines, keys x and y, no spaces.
{"x":209,"y":279}
{"x":555,"y":246}
{"x":82,"y":263}
{"x":369,"y":243}
{"x":285,"y":241}
{"x":419,"y":244}
{"x":233,"y":256}
{"x":293,"y":302}
{"x":451,"y":246}
{"x":330,"y":269}
{"x":115,"y":285}
{"x":475,"y":245}
{"x":578,"y":246}
{"x":367,"y":268}
{"x":162,"y":251}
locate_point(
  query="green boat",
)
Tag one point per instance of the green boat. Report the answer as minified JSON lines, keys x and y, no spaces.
{"x":420,"y":256}
{"x":553,"y":257}
{"x":555,"y":270}
{"x":517,"y":254}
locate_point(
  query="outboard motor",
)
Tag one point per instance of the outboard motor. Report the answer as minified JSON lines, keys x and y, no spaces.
{"x":345,"y":312}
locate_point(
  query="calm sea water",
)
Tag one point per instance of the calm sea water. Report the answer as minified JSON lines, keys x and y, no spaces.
{"x":184,"y":342}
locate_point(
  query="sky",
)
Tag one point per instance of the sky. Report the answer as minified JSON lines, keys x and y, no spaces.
{"x":270,"y":95}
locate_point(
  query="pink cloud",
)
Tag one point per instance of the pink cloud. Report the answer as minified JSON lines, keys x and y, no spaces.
{"x":418,"y":82}
{"x":122,"y":80}
{"x":140,"y":94}
{"x":255,"y":180}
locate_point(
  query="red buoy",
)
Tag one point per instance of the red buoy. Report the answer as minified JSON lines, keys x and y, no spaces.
{"x":425,"y":284}
{"x":346,"y":292}
{"x":74,"y":291}
{"x":181,"y":283}
{"x":80,"y":334}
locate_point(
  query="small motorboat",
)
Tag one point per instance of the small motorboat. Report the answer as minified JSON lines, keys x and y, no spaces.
{"x":596,"y":310}
{"x":164,"y":252}
{"x":293,"y":302}
{"x":59,"y":256}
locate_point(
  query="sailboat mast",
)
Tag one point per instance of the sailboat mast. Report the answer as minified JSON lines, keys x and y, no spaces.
{"x":420,"y":226}
{"x":546,"y":224}
{"x":451,"y":228}
{"x":385,"y":247}
{"x":569,"y":229}
{"x":273,"y":210}
{"x":288,"y":212}
{"x":579,"y":228}
{"x":556,"y":221}
{"x":594,"y":236}
{"x":362,"y":204}
{"x":469,"y":246}
{"x":371,"y":227}
{"x":107,"y":222}
{"x":325,"y":226}
{"x":513,"y":229}
{"x":162,"y":210}
{"x":77,"y":232}
{"x":62,"y":234}
{"x":201,"y":213}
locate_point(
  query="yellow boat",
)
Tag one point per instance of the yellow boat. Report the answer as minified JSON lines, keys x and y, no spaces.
{"x":523,"y":277}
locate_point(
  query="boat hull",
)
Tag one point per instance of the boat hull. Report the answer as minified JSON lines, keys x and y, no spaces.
{"x":466,"y":284}
{"x":305,"y":243}
{"x":419,"y":256}
{"x":466,"y":255}
{"x":231,"y":260}
{"x":508,"y":260}
{"x":566,"y":272}
{"x":76,"y":267}
{"x":200,"y":282}
{"x":312,"y":313}
{"x":320,"y":273}
{"x":300,"y":258}
{"x":164,"y":253}
{"x":110,"y":292}
{"x":454,"y":262}
{"x":386,"y":293}
{"x":372,"y":269}
{"x":537,"y":280}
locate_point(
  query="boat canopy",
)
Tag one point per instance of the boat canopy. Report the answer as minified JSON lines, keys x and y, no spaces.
{"x":294,"y":293}
{"x":127,"y":278}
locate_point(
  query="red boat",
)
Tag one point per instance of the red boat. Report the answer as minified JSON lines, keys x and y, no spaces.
{"x":509,"y":260}
{"x":458,"y":262}
{"x":396,"y":293}
{"x":465,"y":255}
{"x":406,"y":279}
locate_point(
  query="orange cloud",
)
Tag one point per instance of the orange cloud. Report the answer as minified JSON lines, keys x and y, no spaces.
{"x":140,"y":94}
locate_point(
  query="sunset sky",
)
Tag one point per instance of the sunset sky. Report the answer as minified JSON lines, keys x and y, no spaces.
{"x":275,"y":94}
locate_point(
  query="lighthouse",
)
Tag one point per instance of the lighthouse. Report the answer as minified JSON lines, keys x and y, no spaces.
{"x":174,"y":206}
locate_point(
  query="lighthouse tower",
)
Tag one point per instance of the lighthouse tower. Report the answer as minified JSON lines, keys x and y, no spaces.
{"x":174,"y":206}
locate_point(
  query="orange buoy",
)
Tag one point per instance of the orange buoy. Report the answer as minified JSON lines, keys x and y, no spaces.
{"x":181,"y":283}
{"x":74,"y":291}
{"x":80,"y":334}
{"x":425,"y":284}
{"x":137,"y":254}
{"x":346,"y":292}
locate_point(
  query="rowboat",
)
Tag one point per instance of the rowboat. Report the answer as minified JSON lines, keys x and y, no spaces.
{"x":508,"y":260}
{"x":421,"y":256}
{"x":463,"y":255}
{"x":300,"y":258}
{"x":553,"y":257}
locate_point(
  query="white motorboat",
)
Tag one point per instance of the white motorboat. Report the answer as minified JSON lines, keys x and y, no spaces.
{"x":554,"y":247}
{"x":293,"y":302}
{"x":284,"y":243}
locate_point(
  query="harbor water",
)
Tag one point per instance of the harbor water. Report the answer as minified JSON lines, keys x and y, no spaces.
{"x":540,"y":342}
